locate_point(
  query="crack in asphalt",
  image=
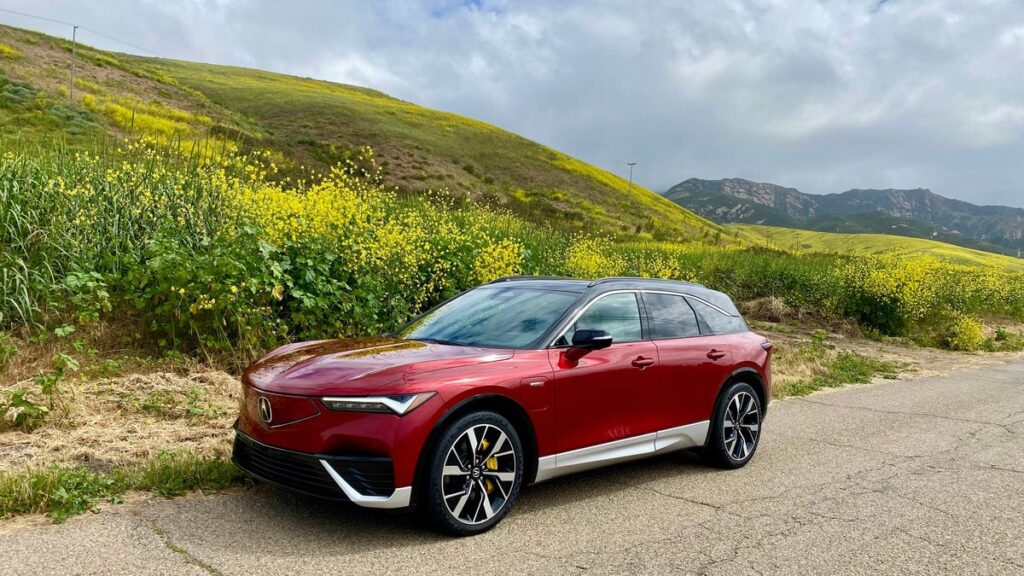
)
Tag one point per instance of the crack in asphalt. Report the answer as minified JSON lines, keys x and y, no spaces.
{"x":907,"y":413}
{"x":185,"y":555}
{"x":716,"y":507}
{"x":835,"y":444}
{"x":1000,"y":468}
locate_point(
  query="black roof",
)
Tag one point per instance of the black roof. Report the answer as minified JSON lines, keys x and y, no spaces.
{"x":602,"y":285}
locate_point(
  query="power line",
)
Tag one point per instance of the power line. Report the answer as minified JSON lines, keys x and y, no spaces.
{"x":129,"y":44}
{"x":55,"y":21}
{"x":87,"y":29}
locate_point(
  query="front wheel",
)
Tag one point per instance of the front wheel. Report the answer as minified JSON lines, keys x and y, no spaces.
{"x":735,"y":427}
{"x":474,"y":474}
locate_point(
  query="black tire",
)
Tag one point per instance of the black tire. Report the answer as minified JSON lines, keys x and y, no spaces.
{"x":492,"y":485}
{"x":734,"y":416}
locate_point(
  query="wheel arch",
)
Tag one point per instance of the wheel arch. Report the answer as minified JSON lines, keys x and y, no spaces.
{"x":498,"y":403}
{"x":750,"y":376}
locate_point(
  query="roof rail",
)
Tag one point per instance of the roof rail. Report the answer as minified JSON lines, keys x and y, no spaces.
{"x":526,"y":277}
{"x":639,"y":279}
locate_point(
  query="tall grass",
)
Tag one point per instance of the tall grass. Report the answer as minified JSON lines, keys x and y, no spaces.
{"x":218,"y":252}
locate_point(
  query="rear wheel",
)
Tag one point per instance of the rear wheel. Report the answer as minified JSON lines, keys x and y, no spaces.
{"x":735,"y":427}
{"x":474,"y":475}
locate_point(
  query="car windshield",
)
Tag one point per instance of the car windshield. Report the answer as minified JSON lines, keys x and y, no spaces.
{"x":492,"y":317}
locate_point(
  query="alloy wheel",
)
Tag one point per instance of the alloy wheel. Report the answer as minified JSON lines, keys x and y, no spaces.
{"x":478,"y":474}
{"x":741,"y":425}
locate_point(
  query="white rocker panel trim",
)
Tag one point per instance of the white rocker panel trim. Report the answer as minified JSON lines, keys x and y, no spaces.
{"x":688,"y":436}
{"x":398,"y":499}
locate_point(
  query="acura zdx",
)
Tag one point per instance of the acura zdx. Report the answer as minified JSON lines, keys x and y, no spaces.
{"x":511,"y":383}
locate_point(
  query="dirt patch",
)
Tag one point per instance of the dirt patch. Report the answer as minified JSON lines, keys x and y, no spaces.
{"x":917,"y":361}
{"x":130,"y":418}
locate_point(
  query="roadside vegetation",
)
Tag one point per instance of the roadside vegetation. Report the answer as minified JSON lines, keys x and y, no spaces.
{"x":61,"y":492}
{"x":218,"y":256}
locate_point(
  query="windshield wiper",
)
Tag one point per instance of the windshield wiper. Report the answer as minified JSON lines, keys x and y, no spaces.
{"x":438,"y":341}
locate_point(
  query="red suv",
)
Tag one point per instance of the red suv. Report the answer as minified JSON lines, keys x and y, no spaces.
{"x":514,"y":382}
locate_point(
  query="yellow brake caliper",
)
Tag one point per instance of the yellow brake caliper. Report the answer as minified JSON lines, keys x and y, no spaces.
{"x":491,"y":464}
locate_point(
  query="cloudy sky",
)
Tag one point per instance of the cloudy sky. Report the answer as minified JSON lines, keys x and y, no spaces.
{"x":822,"y":96}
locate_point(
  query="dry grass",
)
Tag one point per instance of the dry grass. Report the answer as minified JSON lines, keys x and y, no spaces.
{"x":809,"y":350}
{"x":770,"y":309}
{"x":126,"y":419}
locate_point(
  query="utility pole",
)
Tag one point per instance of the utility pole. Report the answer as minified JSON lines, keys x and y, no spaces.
{"x":74,"y":43}
{"x":631,"y":164}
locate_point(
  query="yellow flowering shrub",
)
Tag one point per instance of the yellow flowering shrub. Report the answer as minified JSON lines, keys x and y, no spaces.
{"x":965,"y":333}
{"x":219,"y":250}
{"x":591,"y":258}
{"x":503,"y":258}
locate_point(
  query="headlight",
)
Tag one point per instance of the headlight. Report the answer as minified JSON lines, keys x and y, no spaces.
{"x":401,"y":404}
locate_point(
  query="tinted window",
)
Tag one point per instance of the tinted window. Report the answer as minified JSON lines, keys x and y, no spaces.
{"x":718,"y":322}
{"x":618,"y":314}
{"x":670,"y":316}
{"x":492,"y":317}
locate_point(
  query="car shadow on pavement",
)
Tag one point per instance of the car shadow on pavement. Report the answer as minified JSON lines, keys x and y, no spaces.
{"x":302,"y":524}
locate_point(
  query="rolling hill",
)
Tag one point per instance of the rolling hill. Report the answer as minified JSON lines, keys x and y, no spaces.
{"x":916,"y":213}
{"x":809,"y":241}
{"x":316,"y":124}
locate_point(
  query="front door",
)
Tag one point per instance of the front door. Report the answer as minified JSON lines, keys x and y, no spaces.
{"x":607,"y":394}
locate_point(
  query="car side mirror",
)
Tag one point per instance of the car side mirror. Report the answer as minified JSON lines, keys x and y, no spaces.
{"x":584,"y":341}
{"x":591,"y":339}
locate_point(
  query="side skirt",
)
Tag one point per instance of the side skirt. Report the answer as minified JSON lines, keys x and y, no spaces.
{"x":688,"y":436}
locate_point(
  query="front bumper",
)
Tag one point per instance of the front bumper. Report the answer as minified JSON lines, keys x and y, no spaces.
{"x":367,"y":481}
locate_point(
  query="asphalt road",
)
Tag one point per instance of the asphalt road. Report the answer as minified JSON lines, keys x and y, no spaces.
{"x":912,"y":477}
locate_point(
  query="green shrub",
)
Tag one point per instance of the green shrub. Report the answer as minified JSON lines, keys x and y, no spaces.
{"x":965,"y":333}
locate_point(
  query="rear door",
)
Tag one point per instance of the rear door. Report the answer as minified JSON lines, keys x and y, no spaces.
{"x":692,"y":361}
{"x":607,"y":394}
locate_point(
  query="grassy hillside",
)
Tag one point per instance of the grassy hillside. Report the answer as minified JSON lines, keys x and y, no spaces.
{"x":316,"y":124}
{"x":807,"y":241}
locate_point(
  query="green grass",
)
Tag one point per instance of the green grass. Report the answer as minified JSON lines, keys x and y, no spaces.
{"x":817,"y":365}
{"x":845,"y":368}
{"x":61,"y":492}
{"x":808,"y":241}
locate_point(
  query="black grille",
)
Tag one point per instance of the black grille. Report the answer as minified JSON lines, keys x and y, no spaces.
{"x":369,"y":475}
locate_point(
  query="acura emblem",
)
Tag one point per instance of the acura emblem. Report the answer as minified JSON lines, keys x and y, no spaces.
{"x":265,"y":413}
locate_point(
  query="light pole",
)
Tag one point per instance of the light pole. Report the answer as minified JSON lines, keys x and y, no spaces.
{"x":74,"y":44}
{"x":631,"y":164}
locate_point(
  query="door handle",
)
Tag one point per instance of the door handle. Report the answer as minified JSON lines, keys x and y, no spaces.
{"x":641,"y":362}
{"x":716,"y":354}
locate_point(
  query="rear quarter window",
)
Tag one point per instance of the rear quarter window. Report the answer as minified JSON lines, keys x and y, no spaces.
{"x":670,"y":316}
{"x":719,"y":322}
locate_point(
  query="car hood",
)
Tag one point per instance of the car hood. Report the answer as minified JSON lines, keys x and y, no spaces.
{"x":357,"y":366}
